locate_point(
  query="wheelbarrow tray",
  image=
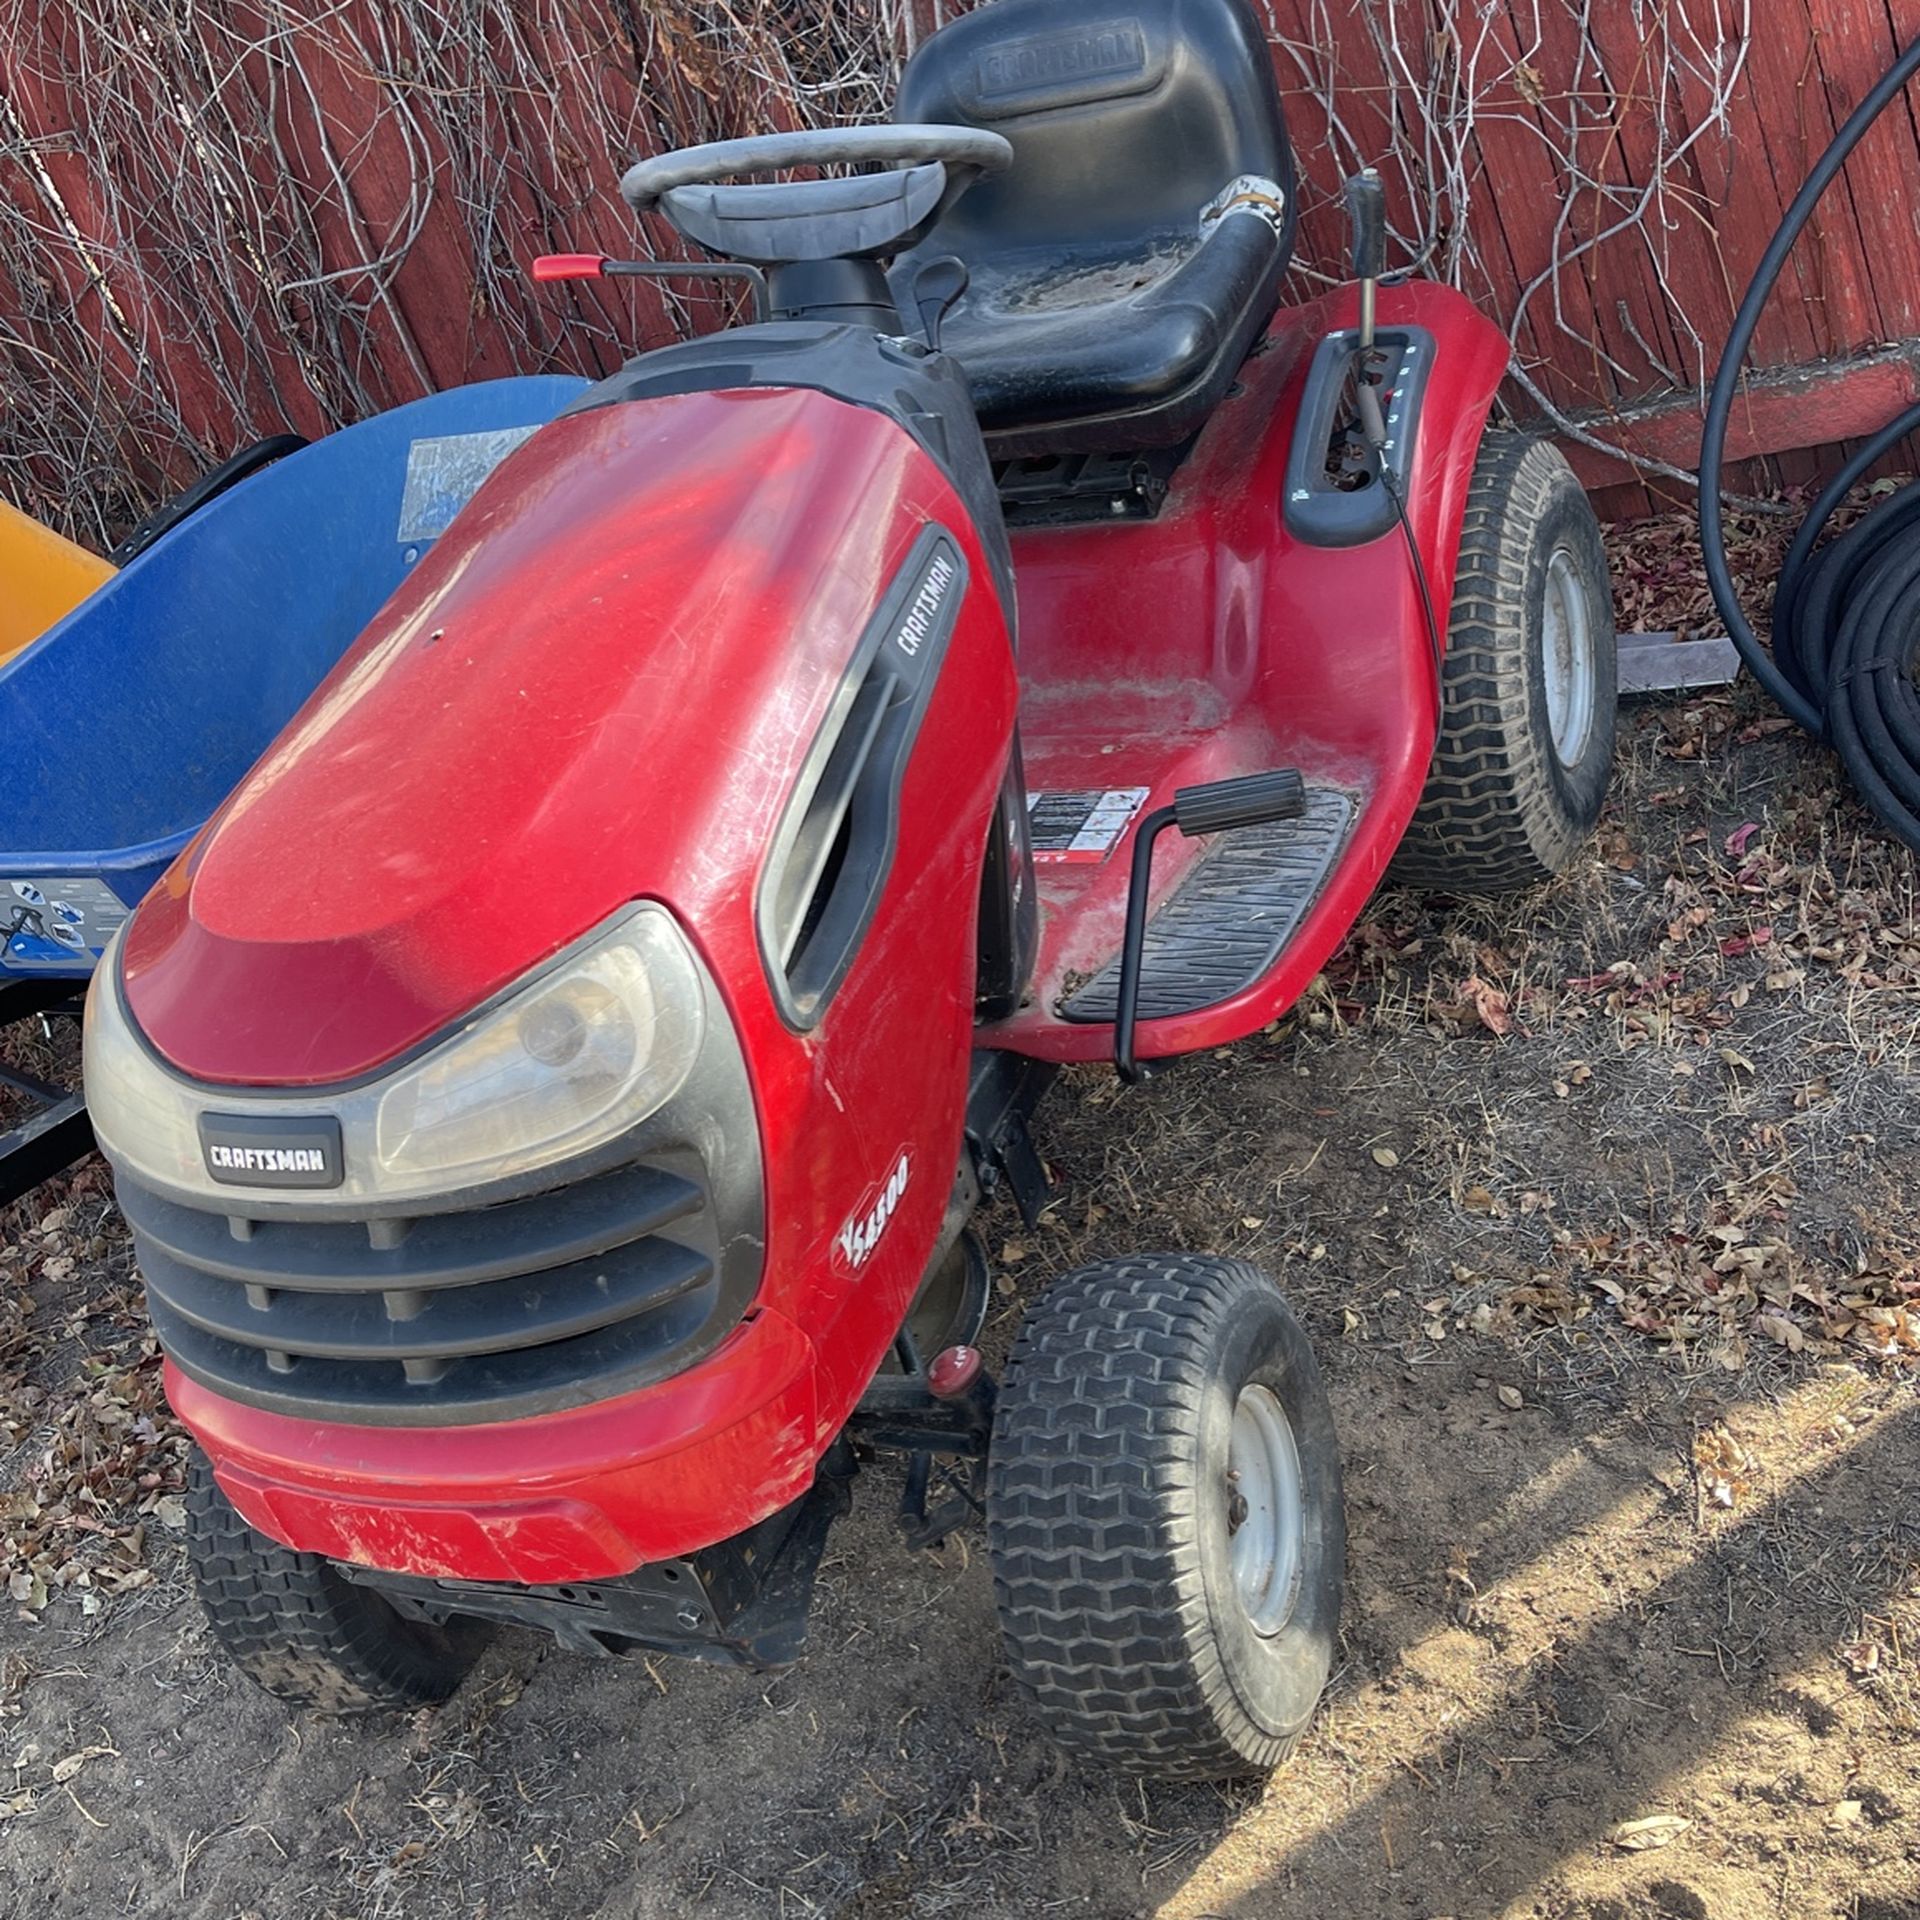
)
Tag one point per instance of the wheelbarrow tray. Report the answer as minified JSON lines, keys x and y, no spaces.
{"x":126,"y":724}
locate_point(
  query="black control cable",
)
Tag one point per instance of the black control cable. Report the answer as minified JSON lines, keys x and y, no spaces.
{"x":1846,"y":619}
{"x":1426,"y":589}
{"x":1366,"y":198}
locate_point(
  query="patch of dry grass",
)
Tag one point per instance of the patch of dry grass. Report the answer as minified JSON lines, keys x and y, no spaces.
{"x":91,"y":1460}
{"x":1599,"y":1205}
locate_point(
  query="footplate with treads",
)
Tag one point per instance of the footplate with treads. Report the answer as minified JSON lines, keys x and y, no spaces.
{"x":1228,"y":920}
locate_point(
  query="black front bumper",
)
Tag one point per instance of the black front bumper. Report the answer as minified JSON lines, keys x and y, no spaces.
{"x":742,"y":1603}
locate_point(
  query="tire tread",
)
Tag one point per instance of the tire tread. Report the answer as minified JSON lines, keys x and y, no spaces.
{"x":1490,"y":819}
{"x":296,"y":1627}
{"x":1097,"y":1566}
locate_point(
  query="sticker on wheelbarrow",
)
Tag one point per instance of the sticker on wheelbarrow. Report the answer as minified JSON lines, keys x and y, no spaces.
{"x":1084,"y":826}
{"x":51,"y":922}
{"x":443,"y":474}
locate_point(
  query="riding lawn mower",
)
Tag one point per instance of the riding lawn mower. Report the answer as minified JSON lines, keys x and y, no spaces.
{"x":553,"y":1094}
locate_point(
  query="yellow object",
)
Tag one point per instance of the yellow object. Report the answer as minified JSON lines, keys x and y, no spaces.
{"x":42,"y":579}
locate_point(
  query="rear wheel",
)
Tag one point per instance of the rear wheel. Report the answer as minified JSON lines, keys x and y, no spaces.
{"x":1164,"y":1516}
{"x":297,"y":1627}
{"x":1525,"y":753}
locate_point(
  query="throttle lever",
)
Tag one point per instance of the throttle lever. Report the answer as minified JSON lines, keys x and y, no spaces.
{"x":1366,"y":197}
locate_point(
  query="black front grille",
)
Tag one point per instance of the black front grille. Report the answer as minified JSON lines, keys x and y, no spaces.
{"x":524,"y":1307}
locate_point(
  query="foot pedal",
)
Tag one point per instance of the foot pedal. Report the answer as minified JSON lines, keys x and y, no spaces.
{"x":1229,"y":919}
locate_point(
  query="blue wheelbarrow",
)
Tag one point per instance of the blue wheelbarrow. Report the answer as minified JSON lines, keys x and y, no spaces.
{"x":126,"y":723}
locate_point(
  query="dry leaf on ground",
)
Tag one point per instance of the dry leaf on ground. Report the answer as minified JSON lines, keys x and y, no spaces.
{"x":1644,"y":1836}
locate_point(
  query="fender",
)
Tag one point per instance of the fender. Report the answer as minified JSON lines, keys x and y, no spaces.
{"x":1315,"y":656}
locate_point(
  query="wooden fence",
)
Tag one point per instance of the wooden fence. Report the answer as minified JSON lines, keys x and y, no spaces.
{"x":223,"y":219}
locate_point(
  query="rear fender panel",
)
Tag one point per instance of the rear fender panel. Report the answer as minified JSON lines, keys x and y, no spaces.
{"x":1211,"y":643}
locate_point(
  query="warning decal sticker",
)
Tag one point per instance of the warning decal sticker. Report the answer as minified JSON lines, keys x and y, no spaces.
{"x":443,"y":474}
{"x":1081,"y":826}
{"x":54,"y":924}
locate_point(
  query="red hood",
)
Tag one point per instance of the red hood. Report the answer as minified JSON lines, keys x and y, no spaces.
{"x":599,"y":686}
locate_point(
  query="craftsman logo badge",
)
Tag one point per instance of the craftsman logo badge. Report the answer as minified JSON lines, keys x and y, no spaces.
{"x":261,"y":1150}
{"x":858,"y":1238}
{"x":922,"y":615}
{"x":1047,"y":62}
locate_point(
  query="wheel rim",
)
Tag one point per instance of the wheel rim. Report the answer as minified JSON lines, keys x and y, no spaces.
{"x":952,"y":1304}
{"x":1566,"y":650}
{"x":1266,"y":1510}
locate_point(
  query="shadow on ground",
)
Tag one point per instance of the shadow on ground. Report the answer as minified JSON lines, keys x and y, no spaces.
{"x":1587,"y":1148}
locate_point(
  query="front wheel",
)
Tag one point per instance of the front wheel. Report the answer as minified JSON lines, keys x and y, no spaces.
{"x":1164,"y":1517}
{"x":1532,"y":680}
{"x":296,"y":1626}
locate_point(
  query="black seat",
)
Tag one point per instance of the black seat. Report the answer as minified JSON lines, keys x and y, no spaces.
{"x":1112,"y":301}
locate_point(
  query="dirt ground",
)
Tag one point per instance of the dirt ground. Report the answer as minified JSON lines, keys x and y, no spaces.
{"x":1601,"y":1208}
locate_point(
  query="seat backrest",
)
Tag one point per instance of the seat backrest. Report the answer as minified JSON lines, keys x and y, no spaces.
{"x":1126,"y":117}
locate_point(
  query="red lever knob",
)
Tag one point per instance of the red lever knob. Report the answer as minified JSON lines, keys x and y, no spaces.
{"x":953,"y":1371}
{"x":570,"y":266}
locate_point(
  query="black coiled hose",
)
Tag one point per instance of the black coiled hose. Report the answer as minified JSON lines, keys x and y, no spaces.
{"x":1846,"y":621}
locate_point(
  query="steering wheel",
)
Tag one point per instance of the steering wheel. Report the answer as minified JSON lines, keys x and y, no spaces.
{"x":775,"y":223}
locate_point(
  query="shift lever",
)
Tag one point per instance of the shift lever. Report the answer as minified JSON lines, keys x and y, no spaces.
{"x":1366,"y":197}
{"x":937,"y":288}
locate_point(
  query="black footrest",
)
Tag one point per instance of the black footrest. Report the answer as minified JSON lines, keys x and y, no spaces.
{"x":1229,"y":919}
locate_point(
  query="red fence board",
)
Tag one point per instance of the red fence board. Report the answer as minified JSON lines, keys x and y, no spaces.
{"x":218,"y":220}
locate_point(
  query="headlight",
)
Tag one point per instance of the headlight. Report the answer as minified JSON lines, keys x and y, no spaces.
{"x":577,"y":1056}
{"x":572,"y":1060}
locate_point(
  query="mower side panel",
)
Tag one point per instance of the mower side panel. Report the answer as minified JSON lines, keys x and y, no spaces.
{"x":1211,"y":643}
